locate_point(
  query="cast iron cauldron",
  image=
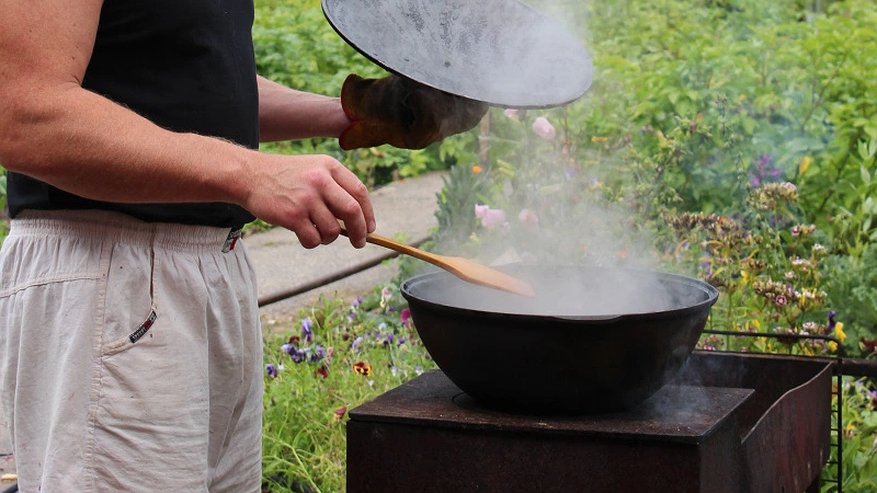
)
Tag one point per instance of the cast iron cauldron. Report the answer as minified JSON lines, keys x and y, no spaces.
{"x":593,"y":339}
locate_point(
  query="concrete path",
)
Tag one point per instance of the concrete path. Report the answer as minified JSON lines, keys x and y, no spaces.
{"x":404,"y":210}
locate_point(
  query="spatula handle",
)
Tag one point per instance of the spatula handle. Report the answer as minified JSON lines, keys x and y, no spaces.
{"x":394,"y":245}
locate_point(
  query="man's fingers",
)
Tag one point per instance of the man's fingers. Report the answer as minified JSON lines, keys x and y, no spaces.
{"x":359,"y":192}
{"x":344,"y":207}
{"x":307,"y":234}
{"x":326,"y":224}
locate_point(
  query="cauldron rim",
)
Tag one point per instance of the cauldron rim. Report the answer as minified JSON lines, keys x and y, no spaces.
{"x":711,"y":294}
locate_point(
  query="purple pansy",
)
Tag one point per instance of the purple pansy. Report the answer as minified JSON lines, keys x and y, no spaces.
{"x":306,"y":331}
{"x":298,"y":355}
{"x":318,"y":354}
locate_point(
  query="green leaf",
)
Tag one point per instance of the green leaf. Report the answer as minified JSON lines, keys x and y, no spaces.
{"x":867,"y":150}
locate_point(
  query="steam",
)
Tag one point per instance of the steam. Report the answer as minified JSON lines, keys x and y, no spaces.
{"x":556,"y":215}
{"x":570,"y":292}
{"x":588,"y":257}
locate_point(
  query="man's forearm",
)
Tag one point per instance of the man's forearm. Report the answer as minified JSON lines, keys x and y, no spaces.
{"x":85,"y":144}
{"x":287,"y":114}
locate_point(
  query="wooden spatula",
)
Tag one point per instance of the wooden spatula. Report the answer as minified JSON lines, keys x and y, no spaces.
{"x":465,"y":269}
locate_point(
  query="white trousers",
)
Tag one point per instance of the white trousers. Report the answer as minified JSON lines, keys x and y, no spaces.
{"x":130,"y":356}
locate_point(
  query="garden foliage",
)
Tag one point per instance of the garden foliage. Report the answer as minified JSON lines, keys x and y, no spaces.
{"x":739,"y":137}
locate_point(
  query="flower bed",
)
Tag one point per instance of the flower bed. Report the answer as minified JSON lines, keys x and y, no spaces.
{"x":338,"y":356}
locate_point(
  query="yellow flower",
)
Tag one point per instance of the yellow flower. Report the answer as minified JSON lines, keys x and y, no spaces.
{"x":362,"y":368}
{"x":806,"y":161}
{"x":744,"y":276}
{"x":476,"y":169}
{"x":599,"y":140}
{"x":756,"y":324}
{"x":832,"y":346}
{"x":839,"y":332}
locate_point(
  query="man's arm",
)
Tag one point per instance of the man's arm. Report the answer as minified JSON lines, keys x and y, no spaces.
{"x":54,"y":130}
{"x":287,"y":114}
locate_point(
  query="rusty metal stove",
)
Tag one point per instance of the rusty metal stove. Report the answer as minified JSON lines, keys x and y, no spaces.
{"x":728,"y":423}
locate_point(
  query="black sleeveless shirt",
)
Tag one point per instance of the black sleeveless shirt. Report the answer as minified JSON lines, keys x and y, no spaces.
{"x":187,"y":66}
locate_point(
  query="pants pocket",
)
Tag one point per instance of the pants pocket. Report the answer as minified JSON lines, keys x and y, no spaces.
{"x":130,"y":311}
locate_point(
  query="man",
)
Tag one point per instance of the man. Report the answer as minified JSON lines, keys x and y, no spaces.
{"x":130,"y":352}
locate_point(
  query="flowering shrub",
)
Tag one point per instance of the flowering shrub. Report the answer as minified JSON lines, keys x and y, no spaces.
{"x":767,"y":268}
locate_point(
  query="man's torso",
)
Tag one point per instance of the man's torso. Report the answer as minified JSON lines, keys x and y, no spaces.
{"x":186,"y":66}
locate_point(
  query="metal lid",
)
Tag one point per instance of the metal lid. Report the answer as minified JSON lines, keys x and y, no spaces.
{"x":501,"y":52}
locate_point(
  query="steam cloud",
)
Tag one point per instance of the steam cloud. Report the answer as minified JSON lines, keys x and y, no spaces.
{"x":569,"y":227}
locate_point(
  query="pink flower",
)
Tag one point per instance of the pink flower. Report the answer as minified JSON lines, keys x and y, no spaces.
{"x":405,"y":316}
{"x":527,"y":216}
{"x":512,"y":113}
{"x":490,"y":218}
{"x":543,"y":128}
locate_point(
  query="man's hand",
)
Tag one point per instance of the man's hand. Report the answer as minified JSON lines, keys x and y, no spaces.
{"x":403,"y":113}
{"x":308,"y":194}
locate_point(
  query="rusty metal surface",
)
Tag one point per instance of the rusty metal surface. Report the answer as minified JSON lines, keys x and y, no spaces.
{"x":417,"y":438}
{"x":785,"y":426}
{"x":676,"y":413}
{"x":396,"y":458}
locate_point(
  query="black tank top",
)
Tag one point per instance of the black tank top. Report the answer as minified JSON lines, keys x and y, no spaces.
{"x":187,"y":66}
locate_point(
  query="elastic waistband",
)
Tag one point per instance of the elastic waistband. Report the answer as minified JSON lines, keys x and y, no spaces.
{"x":121,"y":228}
